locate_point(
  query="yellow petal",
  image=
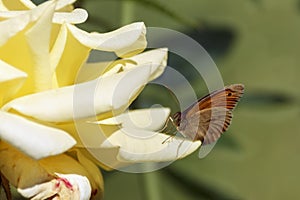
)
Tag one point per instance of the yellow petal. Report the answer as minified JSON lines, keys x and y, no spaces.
{"x":148,"y":119}
{"x":38,"y":40}
{"x":34,"y":139}
{"x":67,"y":56}
{"x":12,"y":36}
{"x":11,"y":81}
{"x":93,"y":171}
{"x":17,"y":4}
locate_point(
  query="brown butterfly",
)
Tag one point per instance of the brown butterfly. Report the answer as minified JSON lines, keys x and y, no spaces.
{"x":210,"y":116}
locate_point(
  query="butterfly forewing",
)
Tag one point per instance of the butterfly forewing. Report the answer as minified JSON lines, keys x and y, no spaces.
{"x":211,"y":115}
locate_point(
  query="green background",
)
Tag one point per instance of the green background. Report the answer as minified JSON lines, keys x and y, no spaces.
{"x":254,"y":42}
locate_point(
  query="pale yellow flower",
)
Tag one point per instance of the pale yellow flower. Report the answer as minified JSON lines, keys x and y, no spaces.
{"x":42,"y":151}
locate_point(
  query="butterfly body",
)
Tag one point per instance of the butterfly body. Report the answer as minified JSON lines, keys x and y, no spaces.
{"x":210,"y":116}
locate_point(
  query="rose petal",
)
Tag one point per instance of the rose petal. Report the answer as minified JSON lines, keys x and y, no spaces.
{"x":65,"y":164}
{"x":11,"y":80}
{"x":38,"y":39}
{"x":17,"y":4}
{"x":125,"y":41}
{"x":21,"y":170}
{"x":148,"y":119}
{"x":77,"y":16}
{"x":93,"y":171}
{"x":34,"y":139}
{"x":27,"y":4}
{"x":66,"y":186}
{"x":145,"y":146}
{"x":12,"y":36}
{"x":63,"y":3}
{"x":73,"y":45}
{"x":107,"y":94}
{"x":156,"y":58}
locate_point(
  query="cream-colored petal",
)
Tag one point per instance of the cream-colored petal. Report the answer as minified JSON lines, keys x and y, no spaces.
{"x":90,"y":71}
{"x":11,"y":27}
{"x":125,"y":41}
{"x":11,"y":14}
{"x":28,"y":5}
{"x":77,"y":16}
{"x":34,"y":139}
{"x":148,"y":119}
{"x":157,"y":58}
{"x":8,"y":72}
{"x":142,"y":146}
{"x":84,"y":100}
{"x":11,"y":80}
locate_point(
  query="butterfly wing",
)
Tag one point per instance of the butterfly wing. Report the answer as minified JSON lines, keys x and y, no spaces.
{"x":207,"y":125}
{"x":211,"y":115}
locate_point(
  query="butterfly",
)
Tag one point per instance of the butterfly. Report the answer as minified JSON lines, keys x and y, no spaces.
{"x":210,"y":116}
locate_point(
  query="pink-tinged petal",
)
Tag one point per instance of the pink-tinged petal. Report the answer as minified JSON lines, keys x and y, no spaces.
{"x":65,"y":186}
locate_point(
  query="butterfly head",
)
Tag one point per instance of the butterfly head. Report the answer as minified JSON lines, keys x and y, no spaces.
{"x":177,"y":118}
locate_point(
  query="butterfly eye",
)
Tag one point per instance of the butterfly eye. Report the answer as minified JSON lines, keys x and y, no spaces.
{"x":229,"y":94}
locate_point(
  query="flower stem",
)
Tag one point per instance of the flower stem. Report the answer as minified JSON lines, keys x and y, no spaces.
{"x":127,"y":12}
{"x":151,"y":185}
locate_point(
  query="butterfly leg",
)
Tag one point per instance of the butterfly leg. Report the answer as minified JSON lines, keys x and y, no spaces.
{"x":165,"y":125}
{"x":171,"y":136}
